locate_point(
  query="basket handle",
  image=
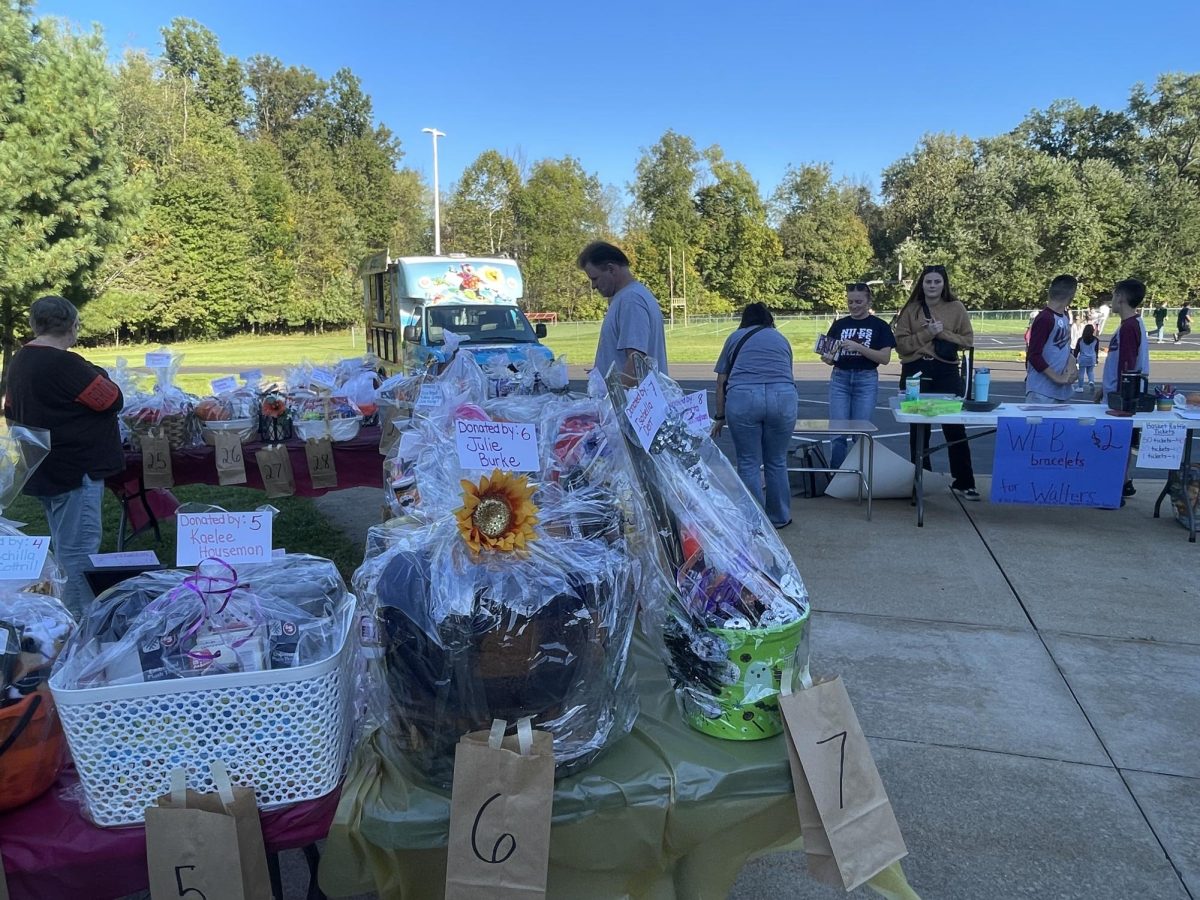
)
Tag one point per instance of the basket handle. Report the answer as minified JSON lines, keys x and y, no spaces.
{"x":22,"y":723}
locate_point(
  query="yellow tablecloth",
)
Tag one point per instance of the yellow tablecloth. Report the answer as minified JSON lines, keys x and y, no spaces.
{"x":666,"y":813}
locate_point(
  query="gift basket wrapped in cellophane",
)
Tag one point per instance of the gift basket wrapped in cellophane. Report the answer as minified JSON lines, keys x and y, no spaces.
{"x":167,"y":410}
{"x":236,"y":409}
{"x":176,"y":668}
{"x":504,"y":594}
{"x":736,"y":622}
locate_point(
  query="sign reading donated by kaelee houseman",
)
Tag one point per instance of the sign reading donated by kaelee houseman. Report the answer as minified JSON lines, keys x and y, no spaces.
{"x":1060,"y":462}
{"x":244,"y":537}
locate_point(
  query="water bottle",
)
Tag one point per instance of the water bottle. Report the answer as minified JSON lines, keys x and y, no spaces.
{"x":983,"y":378}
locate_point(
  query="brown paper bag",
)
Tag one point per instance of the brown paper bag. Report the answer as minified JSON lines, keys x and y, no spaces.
{"x":500,"y":808}
{"x":206,"y":846}
{"x":156,"y":461}
{"x":319,"y":453}
{"x":832,"y":764}
{"x":275,"y":467}
{"x":231,"y":466}
{"x":389,"y":433}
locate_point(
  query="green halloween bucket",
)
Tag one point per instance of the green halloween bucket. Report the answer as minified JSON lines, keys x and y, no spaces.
{"x":750,"y":704}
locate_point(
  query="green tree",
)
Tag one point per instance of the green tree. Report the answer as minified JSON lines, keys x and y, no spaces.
{"x":480,"y":215}
{"x":1169,"y":117}
{"x":64,"y":196}
{"x":740,"y":254}
{"x":193,"y":53}
{"x":560,"y":208}
{"x":825,"y":244}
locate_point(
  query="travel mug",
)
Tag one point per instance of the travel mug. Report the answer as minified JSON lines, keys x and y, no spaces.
{"x":983,"y":377}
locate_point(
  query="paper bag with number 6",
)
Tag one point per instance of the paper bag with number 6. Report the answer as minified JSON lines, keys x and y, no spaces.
{"x":833,"y":770}
{"x":500,"y":807}
{"x":156,"y":462}
{"x":206,"y":845}
{"x":275,"y":467}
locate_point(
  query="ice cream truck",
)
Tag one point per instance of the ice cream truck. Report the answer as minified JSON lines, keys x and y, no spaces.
{"x":411,"y":302}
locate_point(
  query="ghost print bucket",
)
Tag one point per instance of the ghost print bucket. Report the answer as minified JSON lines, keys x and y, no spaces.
{"x":749,"y":699}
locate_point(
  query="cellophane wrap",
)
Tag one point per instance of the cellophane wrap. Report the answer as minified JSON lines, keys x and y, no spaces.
{"x":467,"y":636}
{"x":33,"y":630}
{"x":176,"y":623}
{"x":166,"y":408}
{"x":22,"y":450}
{"x":735,"y":623}
{"x":50,"y":582}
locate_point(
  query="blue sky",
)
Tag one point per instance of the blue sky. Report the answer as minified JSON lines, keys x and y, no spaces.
{"x":854,"y":84}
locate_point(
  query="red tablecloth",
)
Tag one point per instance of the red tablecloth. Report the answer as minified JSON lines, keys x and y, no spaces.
{"x":50,"y":851}
{"x":358,"y":463}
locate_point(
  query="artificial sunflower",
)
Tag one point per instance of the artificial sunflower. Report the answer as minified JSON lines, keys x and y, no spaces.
{"x":497,"y":513}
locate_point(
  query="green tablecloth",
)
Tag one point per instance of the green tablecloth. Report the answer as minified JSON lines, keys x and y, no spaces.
{"x":666,"y":813}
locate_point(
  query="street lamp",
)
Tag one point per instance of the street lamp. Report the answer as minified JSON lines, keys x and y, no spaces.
{"x":437,"y":208}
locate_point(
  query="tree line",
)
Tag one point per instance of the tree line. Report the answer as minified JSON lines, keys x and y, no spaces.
{"x":193,"y":194}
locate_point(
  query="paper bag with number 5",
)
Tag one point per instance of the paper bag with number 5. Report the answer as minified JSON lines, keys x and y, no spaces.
{"x":206,"y":846}
{"x":500,"y":814}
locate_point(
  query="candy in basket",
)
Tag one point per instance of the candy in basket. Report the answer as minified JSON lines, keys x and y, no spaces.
{"x":514,"y":594}
{"x":167,"y":410}
{"x":173,"y":669}
{"x":737,"y":619}
{"x":33,"y":628}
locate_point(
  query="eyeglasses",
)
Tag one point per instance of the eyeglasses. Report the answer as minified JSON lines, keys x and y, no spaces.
{"x":859,"y":286}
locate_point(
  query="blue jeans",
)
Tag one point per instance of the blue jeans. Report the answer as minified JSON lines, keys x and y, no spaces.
{"x":852,"y":395}
{"x":1087,"y":375}
{"x":761,"y":419}
{"x":74,"y":533}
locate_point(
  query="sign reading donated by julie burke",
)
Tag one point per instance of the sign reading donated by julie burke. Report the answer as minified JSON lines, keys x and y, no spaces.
{"x":232,"y":536}
{"x":508,"y":446}
{"x":1060,"y":462}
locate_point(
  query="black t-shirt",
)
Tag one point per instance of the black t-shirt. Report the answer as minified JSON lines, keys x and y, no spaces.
{"x":77,"y":403}
{"x":1182,"y":323}
{"x":872,"y":332}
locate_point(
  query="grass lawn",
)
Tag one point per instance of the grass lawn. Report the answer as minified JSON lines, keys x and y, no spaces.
{"x":298,"y":527}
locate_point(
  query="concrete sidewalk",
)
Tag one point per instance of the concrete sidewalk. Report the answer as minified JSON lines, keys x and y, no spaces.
{"x":1029,"y":680}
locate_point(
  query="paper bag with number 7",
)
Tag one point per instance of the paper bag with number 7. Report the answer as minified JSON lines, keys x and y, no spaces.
{"x":275,"y":468}
{"x":833,"y":769}
{"x":206,"y":845}
{"x":500,"y":807}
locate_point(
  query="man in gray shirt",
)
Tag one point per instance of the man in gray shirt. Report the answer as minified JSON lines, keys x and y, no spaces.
{"x":633,"y":325}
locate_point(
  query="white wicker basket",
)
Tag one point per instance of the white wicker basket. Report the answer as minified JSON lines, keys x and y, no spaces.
{"x":283,"y":732}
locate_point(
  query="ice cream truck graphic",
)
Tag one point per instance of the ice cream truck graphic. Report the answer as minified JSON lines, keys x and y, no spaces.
{"x":411,"y":302}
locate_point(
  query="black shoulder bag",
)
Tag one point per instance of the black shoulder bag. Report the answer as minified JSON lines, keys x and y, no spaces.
{"x":945,"y":350}
{"x":733,"y":356}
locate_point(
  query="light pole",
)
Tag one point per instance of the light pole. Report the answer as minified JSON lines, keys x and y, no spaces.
{"x":437,"y":205}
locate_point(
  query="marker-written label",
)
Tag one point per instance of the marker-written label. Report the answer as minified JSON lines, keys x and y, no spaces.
{"x":224,"y":385}
{"x":508,"y":446}
{"x":252,"y":375}
{"x":1162,"y":445}
{"x":223,"y":535}
{"x":647,"y":410}
{"x":126,"y":558}
{"x":323,"y":378}
{"x":158,"y":360}
{"x":431,"y":395}
{"x":693,"y":408}
{"x":22,"y":557}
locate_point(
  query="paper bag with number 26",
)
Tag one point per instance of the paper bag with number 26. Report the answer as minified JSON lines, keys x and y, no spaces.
{"x":500,"y":807}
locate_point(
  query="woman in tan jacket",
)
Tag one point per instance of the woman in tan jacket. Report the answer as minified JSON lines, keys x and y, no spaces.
{"x":931,"y":321}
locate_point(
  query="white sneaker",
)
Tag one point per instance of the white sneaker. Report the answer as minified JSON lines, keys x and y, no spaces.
{"x":1077,"y":389}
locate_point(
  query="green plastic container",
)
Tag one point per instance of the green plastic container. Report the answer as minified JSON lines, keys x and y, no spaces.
{"x":750,"y":706}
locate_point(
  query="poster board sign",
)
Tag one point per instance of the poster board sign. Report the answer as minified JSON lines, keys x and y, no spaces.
{"x":22,"y":557}
{"x":647,"y":410}
{"x":232,"y":536}
{"x":508,"y":446}
{"x":1060,"y":462}
{"x":693,"y":408}
{"x":1162,"y":445}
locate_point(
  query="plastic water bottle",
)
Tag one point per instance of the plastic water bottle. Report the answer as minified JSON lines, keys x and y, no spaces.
{"x":983,"y":378}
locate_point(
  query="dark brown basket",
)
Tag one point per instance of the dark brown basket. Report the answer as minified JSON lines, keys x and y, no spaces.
{"x":178,"y":428}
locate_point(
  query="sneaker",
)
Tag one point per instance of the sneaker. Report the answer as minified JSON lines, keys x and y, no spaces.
{"x":1129,"y":490}
{"x":1077,"y":389}
{"x":967,"y":494}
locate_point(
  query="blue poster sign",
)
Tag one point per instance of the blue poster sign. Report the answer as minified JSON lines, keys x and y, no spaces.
{"x":1061,"y":462}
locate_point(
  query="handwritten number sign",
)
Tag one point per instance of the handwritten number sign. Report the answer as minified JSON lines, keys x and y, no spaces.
{"x":500,"y":807}
{"x":1060,"y":462}
{"x":850,"y":832}
{"x":508,"y":446}
{"x":1162,"y":445}
{"x":319,"y":454}
{"x":156,"y":462}
{"x":186,"y":891}
{"x":231,"y":466}
{"x":244,"y":537}
{"x":646,"y":409}
{"x":21,"y":557}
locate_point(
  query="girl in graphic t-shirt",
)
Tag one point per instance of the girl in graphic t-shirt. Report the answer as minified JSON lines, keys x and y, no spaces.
{"x":1087,"y":350}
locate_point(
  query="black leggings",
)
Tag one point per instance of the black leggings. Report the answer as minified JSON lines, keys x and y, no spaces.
{"x":938,"y":377}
